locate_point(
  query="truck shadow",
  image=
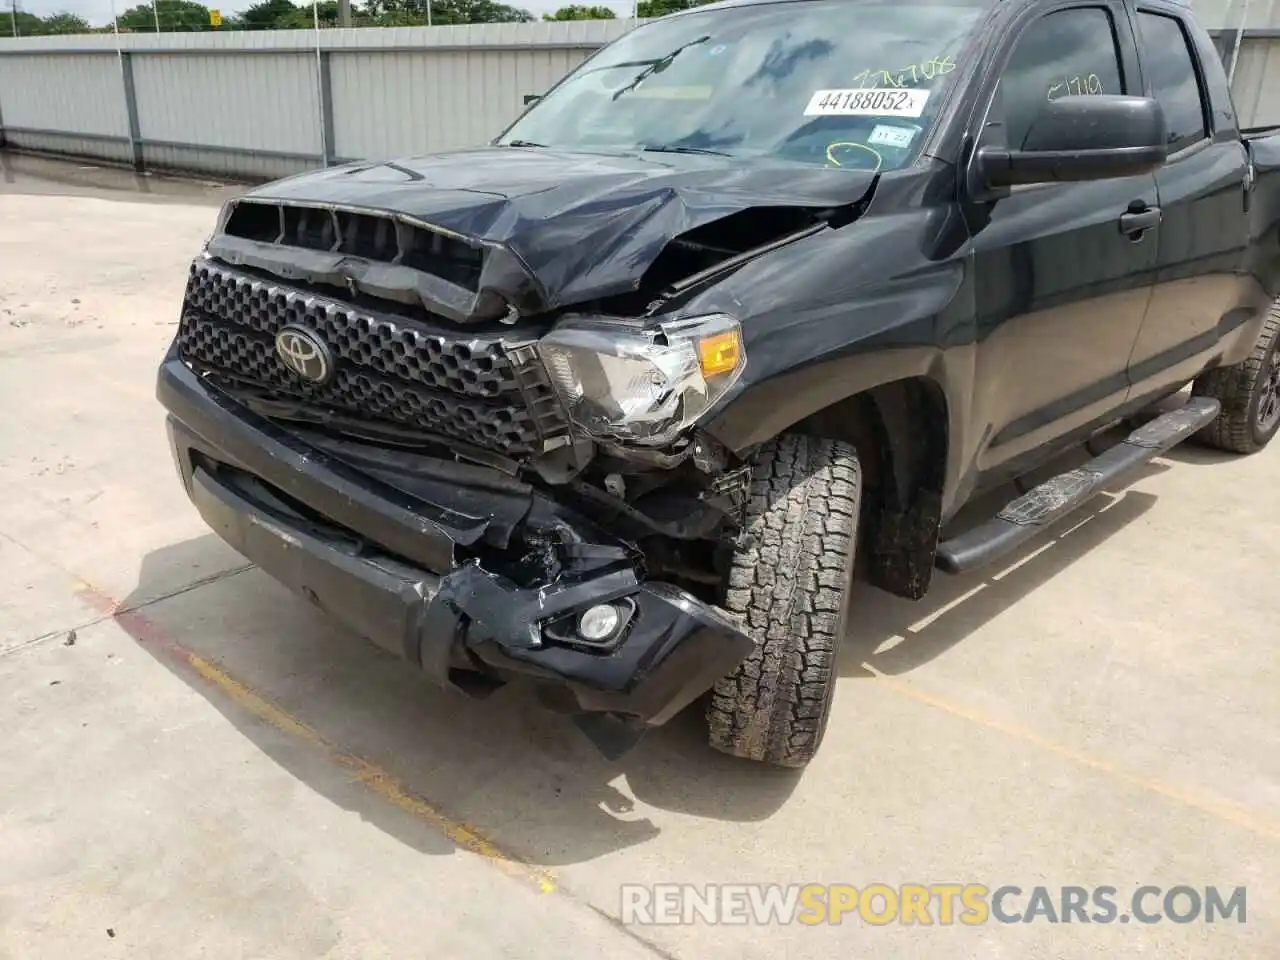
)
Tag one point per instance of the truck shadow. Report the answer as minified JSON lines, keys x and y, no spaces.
{"x":1203,"y":456}
{"x":891,"y":635}
{"x":341,"y":716}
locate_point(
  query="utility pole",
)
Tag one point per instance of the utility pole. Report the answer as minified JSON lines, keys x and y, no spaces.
{"x":15,"y":17}
{"x":320,"y":79}
{"x":155,"y":10}
{"x":344,"y":13}
{"x":1235,"y":52}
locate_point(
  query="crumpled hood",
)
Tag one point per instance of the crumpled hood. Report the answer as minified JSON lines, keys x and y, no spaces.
{"x":581,"y":225}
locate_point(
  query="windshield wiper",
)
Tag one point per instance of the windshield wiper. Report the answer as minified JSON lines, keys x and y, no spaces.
{"x":523,"y":143}
{"x":677,"y":148}
{"x":665,"y":58}
{"x":654,"y":66}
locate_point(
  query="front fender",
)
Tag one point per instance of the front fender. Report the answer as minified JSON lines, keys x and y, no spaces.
{"x":908,"y":327}
{"x":886,"y":297}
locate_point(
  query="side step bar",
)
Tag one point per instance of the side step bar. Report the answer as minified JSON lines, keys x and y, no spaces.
{"x":1028,"y":515}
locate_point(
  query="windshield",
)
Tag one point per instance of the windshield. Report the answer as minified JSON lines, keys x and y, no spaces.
{"x":837,"y":83}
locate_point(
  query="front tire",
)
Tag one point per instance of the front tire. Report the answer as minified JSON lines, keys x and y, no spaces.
{"x":790,"y":581}
{"x":1249,"y":393}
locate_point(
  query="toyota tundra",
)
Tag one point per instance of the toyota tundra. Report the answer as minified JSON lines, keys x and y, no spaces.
{"x":611,"y":404}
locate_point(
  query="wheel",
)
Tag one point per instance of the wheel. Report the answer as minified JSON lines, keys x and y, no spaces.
{"x":790,"y":581}
{"x":1250,"y":396}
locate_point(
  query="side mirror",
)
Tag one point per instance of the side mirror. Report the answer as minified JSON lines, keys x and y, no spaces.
{"x":1081,"y":138}
{"x":531,"y":98}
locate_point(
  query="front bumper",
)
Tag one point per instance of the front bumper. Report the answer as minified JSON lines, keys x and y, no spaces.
{"x":386,"y":564}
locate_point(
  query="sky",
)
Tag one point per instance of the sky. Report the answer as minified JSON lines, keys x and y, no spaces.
{"x":98,"y":12}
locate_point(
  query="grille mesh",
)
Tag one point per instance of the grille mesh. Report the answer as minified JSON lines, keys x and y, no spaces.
{"x":386,"y":368}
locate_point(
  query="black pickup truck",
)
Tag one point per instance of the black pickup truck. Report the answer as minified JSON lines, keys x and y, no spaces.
{"x":611,"y":404}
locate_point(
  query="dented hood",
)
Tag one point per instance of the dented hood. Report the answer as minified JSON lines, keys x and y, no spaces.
{"x":572,"y":226}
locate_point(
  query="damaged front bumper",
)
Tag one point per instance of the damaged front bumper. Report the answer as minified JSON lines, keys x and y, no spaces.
{"x":406,"y":570}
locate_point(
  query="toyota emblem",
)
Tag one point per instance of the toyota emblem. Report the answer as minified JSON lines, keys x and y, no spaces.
{"x":305,"y":354}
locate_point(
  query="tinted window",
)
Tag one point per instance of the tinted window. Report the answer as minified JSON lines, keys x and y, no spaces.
{"x":1166,"y":56}
{"x":1068,"y":53}
{"x":835,"y":83}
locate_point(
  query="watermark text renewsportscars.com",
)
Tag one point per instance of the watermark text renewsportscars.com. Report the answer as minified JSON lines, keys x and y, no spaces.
{"x":944,"y":904}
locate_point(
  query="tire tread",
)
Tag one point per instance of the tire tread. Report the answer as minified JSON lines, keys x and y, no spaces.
{"x":789,"y":582}
{"x":1233,"y":430}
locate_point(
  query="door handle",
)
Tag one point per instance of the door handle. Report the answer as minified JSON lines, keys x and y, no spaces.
{"x":1138,"y":222}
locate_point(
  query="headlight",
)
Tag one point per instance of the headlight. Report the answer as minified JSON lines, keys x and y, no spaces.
{"x":638,"y":384}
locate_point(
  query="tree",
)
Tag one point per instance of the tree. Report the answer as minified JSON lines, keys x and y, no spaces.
{"x":174,"y":15}
{"x":301,"y":18}
{"x":577,"y":12}
{"x":29,"y":25}
{"x":477,"y":11}
{"x":20,"y":23}
{"x":266,"y":15}
{"x":408,"y":13}
{"x":660,"y":8}
{"x":66,"y":23}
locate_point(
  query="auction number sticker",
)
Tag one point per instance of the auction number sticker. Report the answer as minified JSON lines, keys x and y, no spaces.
{"x":867,"y":103}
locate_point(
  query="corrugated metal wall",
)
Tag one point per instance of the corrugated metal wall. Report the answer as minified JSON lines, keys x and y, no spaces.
{"x":265,"y":104}
{"x":435,"y":100}
{"x":35,"y":92}
{"x":44,"y":84}
{"x":262,"y":105}
{"x":1257,"y":82}
{"x":250,"y":102}
{"x":1231,"y":14}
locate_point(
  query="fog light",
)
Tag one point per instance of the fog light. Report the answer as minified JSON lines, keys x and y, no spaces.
{"x":599,"y":623}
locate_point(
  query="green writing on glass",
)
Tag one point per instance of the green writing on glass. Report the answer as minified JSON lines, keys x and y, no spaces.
{"x":1084,"y":85}
{"x":907,"y":76}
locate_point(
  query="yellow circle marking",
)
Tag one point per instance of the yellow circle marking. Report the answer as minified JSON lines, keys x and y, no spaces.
{"x":855,"y":146}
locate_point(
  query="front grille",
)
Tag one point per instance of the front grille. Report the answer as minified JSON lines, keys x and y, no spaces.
{"x":386,"y":367}
{"x":384,"y":238}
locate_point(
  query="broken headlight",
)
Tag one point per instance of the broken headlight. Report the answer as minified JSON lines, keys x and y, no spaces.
{"x":625,"y":382}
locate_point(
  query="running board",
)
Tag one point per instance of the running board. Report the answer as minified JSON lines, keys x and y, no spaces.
{"x":1027,"y":516}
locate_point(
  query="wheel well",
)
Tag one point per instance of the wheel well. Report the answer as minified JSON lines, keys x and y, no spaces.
{"x":900,"y":432}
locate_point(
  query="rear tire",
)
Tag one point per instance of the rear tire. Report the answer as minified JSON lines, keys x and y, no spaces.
{"x":1249,"y":393}
{"x":790,"y":581}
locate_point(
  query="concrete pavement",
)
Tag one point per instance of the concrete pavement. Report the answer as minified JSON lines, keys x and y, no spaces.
{"x":212,"y":768}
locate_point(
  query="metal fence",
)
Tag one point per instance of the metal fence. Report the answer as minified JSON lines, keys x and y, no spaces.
{"x":264,"y":104}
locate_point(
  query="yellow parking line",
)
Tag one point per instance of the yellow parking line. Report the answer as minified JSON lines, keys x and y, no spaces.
{"x":371,"y":775}
{"x":1215,"y":806}
{"x":154,"y":637}
{"x":381,"y":782}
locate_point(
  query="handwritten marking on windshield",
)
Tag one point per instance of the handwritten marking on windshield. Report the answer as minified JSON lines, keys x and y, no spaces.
{"x":903,"y":76}
{"x":850,"y":145}
{"x":1089,"y":85}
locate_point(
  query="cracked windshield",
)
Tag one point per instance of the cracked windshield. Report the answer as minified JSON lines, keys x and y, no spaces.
{"x":837,"y":84}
